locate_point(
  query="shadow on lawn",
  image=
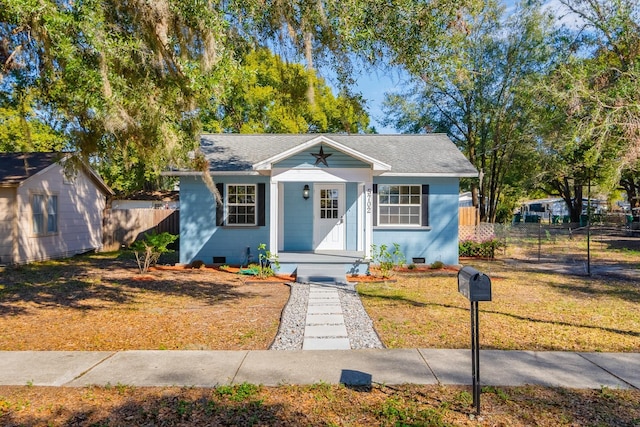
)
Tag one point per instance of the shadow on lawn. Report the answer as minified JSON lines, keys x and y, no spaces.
{"x":198,"y":407}
{"x":176,"y":284}
{"x":499,"y":313}
{"x":423,"y":405}
{"x":55,"y":284}
{"x":608,"y":279}
{"x":64,"y":293}
{"x":91,"y":281}
{"x":554,"y":322}
{"x":624,"y":290}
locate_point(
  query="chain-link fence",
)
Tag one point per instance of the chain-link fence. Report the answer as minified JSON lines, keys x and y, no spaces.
{"x":604,"y":239}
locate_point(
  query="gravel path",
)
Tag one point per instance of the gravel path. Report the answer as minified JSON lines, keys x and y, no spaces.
{"x":357,"y":321}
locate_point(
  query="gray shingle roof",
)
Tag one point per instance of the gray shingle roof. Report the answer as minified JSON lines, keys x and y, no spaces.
{"x":428,"y":154}
{"x":17,"y":167}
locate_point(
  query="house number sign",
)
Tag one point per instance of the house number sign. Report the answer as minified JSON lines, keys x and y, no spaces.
{"x":369,"y":200}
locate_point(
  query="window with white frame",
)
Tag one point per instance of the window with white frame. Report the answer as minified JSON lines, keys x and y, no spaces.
{"x":399,"y":205}
{"x":44,"y":208}
{"x":241,"y":204}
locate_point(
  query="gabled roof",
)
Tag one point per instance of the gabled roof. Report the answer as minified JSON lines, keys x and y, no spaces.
{"x":407,"y":155}
{"x":267,"y":164}
{"x":15,"y":168}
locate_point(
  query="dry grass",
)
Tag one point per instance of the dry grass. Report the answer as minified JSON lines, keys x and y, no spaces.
{"x":316,"y":405}
{"x":530,"y":310}
{"x":99,"y":302}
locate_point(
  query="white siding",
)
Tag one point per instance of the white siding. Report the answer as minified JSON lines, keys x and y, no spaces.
{"x":7,"y":214}
{"x":144,"y":204}
{"x":80,"y":208}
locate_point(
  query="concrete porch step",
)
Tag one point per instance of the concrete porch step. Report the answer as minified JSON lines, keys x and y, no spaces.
{"x":323,"y":273}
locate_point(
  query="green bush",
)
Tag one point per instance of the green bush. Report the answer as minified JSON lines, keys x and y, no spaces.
{"x":479,"y":249}
{"x":149,"y":249}
{"x":386,"y":259}
{"x":267,"y":262}
{"x":437,"y":265}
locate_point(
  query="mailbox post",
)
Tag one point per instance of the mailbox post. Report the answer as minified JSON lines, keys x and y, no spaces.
{"x":476,"y":286}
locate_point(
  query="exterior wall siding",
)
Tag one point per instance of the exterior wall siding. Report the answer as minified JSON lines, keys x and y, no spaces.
{"x":201,"y":239}
{"x":438,"y":241}
{"x":7,"y":215}
{"x":305,"y":159}
{"x":352,"y":217}
{"x":80,"y":208}
{"x":298,"y":218}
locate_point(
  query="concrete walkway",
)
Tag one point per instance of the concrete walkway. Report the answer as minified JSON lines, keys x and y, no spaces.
{"x":324,"y":326}
{"x":352,"y":367}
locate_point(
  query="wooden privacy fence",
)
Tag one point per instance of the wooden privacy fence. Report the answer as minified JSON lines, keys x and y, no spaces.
{"x":121,"y":227}
{"x":468,"y":216}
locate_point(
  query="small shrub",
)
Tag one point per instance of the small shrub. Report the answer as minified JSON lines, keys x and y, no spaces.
{"x":197,"y":264}
{"x":437,"y":265}
{"x":387,"y":260}
{"x":149,"y":249}
{"x":412,"y":266}
{"x":480,"y":249}
{"x":224,"y":267}
{"x":267,"y":262}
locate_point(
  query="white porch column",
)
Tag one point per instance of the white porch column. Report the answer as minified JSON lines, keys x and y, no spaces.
{"x":273,"y":217}
{"x":368,"y":218}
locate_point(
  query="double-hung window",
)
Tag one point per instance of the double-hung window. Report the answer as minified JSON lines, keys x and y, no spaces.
{"x":399,"y":205}
{"x":241,"y":204}
{"x":44,"y":210}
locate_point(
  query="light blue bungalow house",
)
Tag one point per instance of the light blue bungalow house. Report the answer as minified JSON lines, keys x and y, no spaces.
{"x":323,"y":197}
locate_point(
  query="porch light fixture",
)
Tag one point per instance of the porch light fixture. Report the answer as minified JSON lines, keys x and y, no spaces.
{"x":305,"y":191}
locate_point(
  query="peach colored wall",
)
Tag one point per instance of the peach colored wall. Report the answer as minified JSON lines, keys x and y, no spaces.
{"x":80,"y":208}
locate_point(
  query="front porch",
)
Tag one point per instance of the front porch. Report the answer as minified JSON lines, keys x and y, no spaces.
{"x":322,"y":266}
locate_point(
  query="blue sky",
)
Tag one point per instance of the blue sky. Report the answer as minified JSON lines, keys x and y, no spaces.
{"x":373,"y":87}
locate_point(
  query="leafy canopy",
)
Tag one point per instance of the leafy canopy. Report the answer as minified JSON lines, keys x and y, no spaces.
{"x":268,"y":95}
{"x":126,"y":81}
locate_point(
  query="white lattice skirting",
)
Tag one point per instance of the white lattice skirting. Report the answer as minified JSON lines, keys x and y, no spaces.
{"x":483,"y":231}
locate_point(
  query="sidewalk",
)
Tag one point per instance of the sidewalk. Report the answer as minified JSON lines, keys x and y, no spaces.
{"x":351,"y":367}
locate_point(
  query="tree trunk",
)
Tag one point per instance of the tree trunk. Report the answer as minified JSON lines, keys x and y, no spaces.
{"x":632,"y":187}
{"x":571,"y":193}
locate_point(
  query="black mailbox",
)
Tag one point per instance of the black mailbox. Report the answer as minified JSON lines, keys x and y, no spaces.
{"x":474,"y":285}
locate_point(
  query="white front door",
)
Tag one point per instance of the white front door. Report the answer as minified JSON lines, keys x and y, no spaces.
{"x":328,"y":217}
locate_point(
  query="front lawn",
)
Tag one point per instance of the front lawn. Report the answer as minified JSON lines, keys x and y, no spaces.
{"x":100,"y":302}
{"x":530,"y":310}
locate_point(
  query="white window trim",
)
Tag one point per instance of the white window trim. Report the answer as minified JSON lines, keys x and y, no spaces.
{"x":380,"y":205}
{"x":226,"y":205}
{"x":45,"y":214}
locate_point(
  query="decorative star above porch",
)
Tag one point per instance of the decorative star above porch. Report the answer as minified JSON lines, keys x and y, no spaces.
{"x":321,"y":157}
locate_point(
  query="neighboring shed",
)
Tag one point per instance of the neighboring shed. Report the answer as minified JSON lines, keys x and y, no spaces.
{"x":323,"y":194}
{"x":45,"y":213}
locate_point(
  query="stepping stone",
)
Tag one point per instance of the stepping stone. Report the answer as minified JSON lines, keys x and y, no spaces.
{"x":324,"y":309}
{"x":326,"y":344}
{"x":326,"y":331}
{"x":324,"y":319}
